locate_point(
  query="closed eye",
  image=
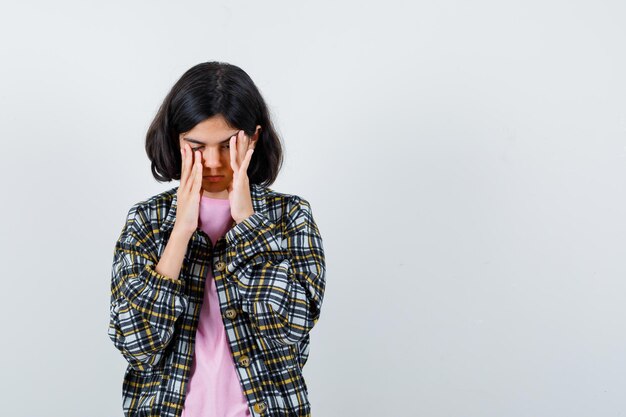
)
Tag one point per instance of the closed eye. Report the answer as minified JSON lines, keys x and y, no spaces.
{"x":225,"y":146}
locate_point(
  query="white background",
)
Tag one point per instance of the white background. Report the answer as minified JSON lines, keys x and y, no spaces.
{"x":465,"y":163}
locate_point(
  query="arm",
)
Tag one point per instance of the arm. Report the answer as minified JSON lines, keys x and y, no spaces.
{"x":145,"y":303}
{"x":280,"y":273}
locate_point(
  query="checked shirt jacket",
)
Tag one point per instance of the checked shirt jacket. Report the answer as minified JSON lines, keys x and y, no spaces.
{"x":270,"y":277}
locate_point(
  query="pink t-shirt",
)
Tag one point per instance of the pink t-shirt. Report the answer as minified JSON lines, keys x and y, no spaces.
{"x":214,"y":389}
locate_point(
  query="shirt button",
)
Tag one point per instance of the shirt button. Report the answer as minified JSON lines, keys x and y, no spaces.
{"x":231,"y":313}
{"x":260,"y":407}
{"x":219,"y":265}
{"x":244,"y":361}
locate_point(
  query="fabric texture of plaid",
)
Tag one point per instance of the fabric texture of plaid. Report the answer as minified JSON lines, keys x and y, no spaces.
{"x":270,"y":277}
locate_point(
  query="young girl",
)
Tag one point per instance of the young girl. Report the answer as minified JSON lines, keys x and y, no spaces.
{"x":216,"y":283}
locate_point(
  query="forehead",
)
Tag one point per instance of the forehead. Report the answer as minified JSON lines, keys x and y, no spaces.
{"x":212,"y":130}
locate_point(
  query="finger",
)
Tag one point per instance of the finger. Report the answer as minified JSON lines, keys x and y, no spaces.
{"x":242,"y":147}
{"x":246,"y":162}
{"x":197,"y":174}
{"x":243,"y":152}
{"x":193,"y":166}
{"x":182,"y":165}
{"x":188,"y":164}
{"x":233,"y":154}
{"x":239,"y":146}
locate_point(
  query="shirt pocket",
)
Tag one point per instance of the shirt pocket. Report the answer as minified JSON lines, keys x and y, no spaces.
{"x":279,"y":359}
{"x":286,"y":377}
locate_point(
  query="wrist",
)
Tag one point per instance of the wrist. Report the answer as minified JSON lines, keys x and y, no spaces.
{"x":182,"y":232}
{"x":245,"y":217}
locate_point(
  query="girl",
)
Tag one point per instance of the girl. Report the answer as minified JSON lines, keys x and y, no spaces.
{"x":216,"y":283}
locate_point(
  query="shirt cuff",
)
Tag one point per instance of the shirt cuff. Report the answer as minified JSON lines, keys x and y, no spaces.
{"x":249,"y":227}
{"x":160,"y":281}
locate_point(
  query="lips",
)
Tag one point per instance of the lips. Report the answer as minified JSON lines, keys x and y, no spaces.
{"x":213,"y":178}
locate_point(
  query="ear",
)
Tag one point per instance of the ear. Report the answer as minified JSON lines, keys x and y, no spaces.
{"x":255,"y":137}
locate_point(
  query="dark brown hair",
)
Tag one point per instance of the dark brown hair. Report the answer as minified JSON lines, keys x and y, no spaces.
{"x":206,"y":90}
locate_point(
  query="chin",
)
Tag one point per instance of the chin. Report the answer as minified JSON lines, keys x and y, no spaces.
{"x":213,"y":186}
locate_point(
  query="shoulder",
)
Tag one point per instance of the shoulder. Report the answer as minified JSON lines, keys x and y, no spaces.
{"x":281,"y":206}
{"x":274,"y":196}
{"x":152,"y":208}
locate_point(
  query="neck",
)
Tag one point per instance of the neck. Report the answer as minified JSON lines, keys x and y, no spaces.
{"x":223,"y":195}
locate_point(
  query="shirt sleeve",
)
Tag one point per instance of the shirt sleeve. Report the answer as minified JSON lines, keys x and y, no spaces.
{"x":144,"y":303}
{"x":280,"y":271}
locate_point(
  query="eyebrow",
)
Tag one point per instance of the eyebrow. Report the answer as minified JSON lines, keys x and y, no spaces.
{"x":202,"y":143}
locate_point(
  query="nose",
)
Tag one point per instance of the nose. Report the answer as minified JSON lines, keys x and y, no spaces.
{"x":211,"y":157}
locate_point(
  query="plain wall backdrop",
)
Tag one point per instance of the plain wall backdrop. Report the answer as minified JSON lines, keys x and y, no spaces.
{"x":465,"y":162}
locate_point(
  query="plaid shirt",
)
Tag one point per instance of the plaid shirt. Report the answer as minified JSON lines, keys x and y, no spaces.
{"x":270,"y":277}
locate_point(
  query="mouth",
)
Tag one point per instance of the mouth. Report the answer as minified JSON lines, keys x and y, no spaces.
{"x":213,"y":177}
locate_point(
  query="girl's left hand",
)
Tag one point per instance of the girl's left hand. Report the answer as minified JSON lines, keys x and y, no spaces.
{"x":239,"y":189}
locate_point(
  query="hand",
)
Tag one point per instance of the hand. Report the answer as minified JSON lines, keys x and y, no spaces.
{"x":189,"y":191}
{"x":239,"y":189}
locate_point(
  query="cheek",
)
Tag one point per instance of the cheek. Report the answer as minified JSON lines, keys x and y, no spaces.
{"x":226,"y":161}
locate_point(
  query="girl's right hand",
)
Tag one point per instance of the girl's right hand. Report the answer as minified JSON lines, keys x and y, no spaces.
{"x":189,"y":191}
